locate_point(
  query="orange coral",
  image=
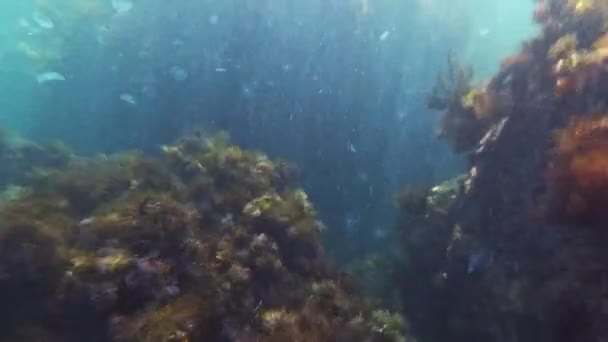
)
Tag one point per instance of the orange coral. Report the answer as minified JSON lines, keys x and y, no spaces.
{"x":578,"y":175}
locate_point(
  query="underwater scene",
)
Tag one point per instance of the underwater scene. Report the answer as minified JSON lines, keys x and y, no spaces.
{"x":308,"y":171}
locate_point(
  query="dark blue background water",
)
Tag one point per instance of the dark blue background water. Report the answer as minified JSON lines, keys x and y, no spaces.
{"x":336,"y":86}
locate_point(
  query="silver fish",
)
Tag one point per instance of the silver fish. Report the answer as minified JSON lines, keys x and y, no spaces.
{"x":122,"y":6}
{"x":178,"y":73}
{"x":43,"y":21}
{"x":128,"y":98}
{"x":49,"y":76}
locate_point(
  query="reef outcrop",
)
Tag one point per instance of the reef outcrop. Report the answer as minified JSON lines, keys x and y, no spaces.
{"x":205,"y":242}
{"x":520,"y":253}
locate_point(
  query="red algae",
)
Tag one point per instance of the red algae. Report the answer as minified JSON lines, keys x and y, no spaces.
{"x":578,"y":174}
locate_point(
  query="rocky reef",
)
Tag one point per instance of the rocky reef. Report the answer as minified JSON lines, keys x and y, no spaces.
{"x":519,"y":252}
{"x":204,"y":242}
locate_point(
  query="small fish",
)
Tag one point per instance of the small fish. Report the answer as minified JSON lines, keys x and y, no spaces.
{"x":351,"y":222}
{"x":214,"y":19}
{"x":178,"y":73}
{"x":351,"y":148}
{"x":384,"y":35}
{"x":149,"y":91}
{"x":220,"y":70}
{"x":42,"y":20}
{"x":247,"y":91}
{"x":86,"y":221}
{"x":122,"y":6}
{"x":362,"y":176}
{"x":128,"y":98}
{"x":484,"y":32}
{"x":479,"y":260}
{"x":49,"y":76}
{"x":402,"y":115}
{"x":380,"y":232}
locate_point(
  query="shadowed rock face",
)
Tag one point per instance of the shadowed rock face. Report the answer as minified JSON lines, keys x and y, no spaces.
{"x":546,"y":278}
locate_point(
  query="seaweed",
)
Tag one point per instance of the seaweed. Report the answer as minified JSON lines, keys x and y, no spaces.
{"x":577,"y":177}
{"x":450,"y":85}
{"x":458,"y":123}
{"x":515,"y":250}
{"x":208,"y":242}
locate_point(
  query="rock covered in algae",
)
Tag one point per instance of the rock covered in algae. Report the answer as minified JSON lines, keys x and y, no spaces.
{"x":425,"y":234}
{"x":20,"y":158}
{"x":209,"y":242}
{"x":530,"y":212}
{"x":441,"y":197}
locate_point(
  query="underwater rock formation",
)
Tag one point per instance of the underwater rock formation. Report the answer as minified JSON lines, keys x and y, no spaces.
{"x":467,"y":110}
{"x":524,"y":255}
{"x":207,"y":242}
{"x":424,"y":234}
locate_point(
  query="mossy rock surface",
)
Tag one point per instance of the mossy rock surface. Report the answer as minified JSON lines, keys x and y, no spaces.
{"x":208,"y":242}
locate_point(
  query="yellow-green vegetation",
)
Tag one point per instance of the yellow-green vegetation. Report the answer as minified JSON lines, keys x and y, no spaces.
{"x":583,"y":7}
{"x":388,"y":323}
{"x":277,"y":319}
{"x":208,"y":242}
{"x":412,"y":200}
{"x":174,"y":321}
{"x":563,"y":47}
{"x":20,"y":159}
{"x":441,"y":197}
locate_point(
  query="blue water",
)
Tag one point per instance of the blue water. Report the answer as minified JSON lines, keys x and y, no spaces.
{"x":336,"y":86}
